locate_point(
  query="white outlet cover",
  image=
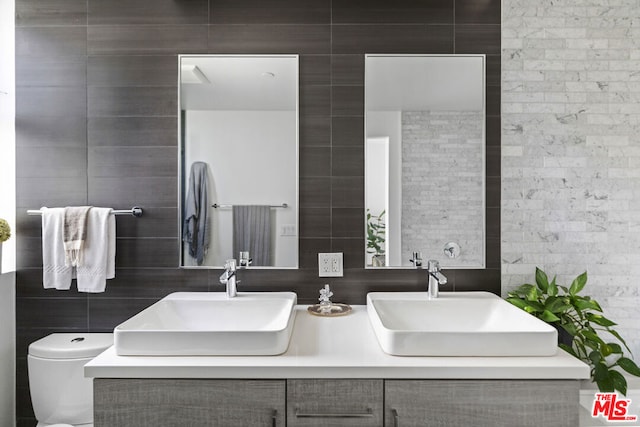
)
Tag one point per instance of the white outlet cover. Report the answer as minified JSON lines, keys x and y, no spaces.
{"x":330,"y":264}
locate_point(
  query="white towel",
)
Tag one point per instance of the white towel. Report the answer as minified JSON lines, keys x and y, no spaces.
{"x":99,"y":251}
{"x":98,"y":257}
{"x":55,"y":274}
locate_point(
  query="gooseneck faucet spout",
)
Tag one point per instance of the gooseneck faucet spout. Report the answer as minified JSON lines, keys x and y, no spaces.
{"x":436,"y":278}
{"x":228,"y":278}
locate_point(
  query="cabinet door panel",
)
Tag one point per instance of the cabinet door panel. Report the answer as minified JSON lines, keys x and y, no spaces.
{"x":340,"y":403}
{"x":182,"y":403}
{"x":481,"y":403}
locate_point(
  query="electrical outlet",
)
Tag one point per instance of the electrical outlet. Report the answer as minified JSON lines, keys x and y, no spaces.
{"x":330,"y":264}
{"x":336,"y":263}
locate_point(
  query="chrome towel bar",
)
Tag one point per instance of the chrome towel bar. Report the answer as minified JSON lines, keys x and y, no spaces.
{"x":135,"y":211}
{"x":216,"y":206}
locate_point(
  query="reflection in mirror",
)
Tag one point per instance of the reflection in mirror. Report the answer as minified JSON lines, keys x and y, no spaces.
{"x":238,"y":145}
{"x":424,"y":160}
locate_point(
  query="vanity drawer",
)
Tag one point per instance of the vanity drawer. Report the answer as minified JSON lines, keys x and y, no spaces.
{"x":482,"y":403}
{"x":153,"y":402}
{"x":328,"y":402}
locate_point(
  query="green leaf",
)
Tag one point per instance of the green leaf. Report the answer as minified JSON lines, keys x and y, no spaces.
{"x":602,"y":378}
{"x":531,"y":307}
{"x":605,"y":385}
{"x":581,"y":349}
{"x":521,"y":291}
{"x":568,"y":349}
{"x":552,"y":290}
{"x":518,"y":302}
{"x":599,"y":319}
{"x":532,"y":295}
{"x":629,"y":366}
{"x":617,"y":335}
{"x":615,"y":348}
{"x":556,"y":305}
{"x":592,"y":336}
{"x":595,"y":357}
{"x":605,"y":350}
{"x":619,"y":382}
{"x":570,"y":328}
{"x":593,"y":345}
{"x":583,"y":304}
{"x":535,"y":306}
{"x":549,"y":317}
{"x":578,"y":284}
{"x":541,"y":280}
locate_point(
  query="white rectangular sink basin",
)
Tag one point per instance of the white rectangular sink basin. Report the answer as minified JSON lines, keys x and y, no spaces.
{"x":456,"y":324}
{"x":210,"y":324}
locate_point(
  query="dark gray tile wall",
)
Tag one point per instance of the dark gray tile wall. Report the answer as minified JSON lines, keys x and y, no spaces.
{"x":96,"y":124}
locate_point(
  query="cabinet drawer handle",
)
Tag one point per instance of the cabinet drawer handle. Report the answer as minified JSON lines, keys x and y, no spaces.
{"x":274,"y":418}
{"x":396,"y":418}
{"x":368,"y":414}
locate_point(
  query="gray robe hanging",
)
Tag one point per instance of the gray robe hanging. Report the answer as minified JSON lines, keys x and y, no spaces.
{"x":195,"y":228}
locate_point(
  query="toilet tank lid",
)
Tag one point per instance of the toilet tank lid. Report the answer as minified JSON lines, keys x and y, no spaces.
{"x":71,"y":345}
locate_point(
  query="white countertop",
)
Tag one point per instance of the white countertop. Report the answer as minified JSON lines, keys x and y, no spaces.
{"x":337,"y":347}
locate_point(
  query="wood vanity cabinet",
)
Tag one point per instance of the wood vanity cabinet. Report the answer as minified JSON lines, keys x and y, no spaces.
{"x":481,"y":403}
{"x":188,"y":402}
{"x":334,"y":402}
{"x":242,"y":403}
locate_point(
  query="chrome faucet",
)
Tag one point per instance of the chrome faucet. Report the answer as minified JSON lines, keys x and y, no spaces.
{"x":416,"y":259}
{"x":244,"y":260}
{"x":436,"y":278}
{"x":229,"y":278}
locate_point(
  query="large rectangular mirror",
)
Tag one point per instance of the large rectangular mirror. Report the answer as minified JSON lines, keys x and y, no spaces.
{"x":425,"y":159}
{"x":238,"y":142}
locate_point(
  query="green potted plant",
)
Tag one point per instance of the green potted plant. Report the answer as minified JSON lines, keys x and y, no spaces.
{"x":376,"y":229}
{"x":580,"y":317}
{"x":5,"y":233}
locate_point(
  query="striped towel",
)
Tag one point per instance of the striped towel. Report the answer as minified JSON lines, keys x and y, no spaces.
{"x":74,"y":234}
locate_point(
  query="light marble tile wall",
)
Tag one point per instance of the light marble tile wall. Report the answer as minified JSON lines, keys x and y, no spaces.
{"x":442,"y":157}
{"x":571,"y":148}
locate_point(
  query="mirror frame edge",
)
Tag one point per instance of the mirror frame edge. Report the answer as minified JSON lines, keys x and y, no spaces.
{"x":483,"y":57}
{"x":180,"y":160}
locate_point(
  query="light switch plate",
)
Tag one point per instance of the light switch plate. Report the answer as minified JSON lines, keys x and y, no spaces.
{"x":288,"y":230}
{"x":330,"y":264}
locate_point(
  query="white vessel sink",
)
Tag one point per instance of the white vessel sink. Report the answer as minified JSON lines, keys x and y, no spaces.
{"x":210,"y":324}
{"x":456,"y":324}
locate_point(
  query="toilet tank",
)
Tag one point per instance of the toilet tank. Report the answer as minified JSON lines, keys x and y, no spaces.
{"x":59,"y":391}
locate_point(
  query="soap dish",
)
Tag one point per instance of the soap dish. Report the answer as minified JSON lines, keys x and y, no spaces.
{"x":336,"y":309}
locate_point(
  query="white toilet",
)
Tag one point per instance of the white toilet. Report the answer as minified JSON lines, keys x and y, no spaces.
{"x":60,"y":393}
